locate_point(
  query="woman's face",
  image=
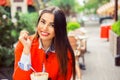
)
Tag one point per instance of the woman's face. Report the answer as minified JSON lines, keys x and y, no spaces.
{"x":46,"y":27}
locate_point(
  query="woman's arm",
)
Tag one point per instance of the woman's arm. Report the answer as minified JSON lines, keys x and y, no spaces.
{"x":22,"y":57}
{"x":20,"y":74}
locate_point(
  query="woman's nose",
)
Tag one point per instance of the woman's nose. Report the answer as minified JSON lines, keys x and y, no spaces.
{"x":45,"y":27}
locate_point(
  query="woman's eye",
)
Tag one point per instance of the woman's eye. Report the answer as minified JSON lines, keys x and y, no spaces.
{"x":52,"y":25}
{"x":43,"y":22}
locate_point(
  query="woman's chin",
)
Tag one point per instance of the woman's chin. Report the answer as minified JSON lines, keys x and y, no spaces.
{"x":44,"y":38}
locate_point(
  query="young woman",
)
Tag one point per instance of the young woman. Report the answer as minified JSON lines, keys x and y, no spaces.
{"x":49,"y":47}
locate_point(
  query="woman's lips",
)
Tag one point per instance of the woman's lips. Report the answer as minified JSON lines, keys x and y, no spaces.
{"x":44,"y":33}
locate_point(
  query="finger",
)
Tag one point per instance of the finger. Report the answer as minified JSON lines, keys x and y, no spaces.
{"x":24,"y":31}
{"x":23,"y":37}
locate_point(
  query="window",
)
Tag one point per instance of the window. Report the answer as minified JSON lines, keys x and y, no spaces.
{"x":19,"y":9}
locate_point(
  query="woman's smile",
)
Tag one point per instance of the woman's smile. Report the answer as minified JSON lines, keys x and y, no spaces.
{"x":44,"y":33}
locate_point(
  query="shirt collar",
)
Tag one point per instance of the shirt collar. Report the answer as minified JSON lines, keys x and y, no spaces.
{"x":50,"y":49}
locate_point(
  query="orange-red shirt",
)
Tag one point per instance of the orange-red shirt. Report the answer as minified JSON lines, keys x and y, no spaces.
{"x":38,"y":57}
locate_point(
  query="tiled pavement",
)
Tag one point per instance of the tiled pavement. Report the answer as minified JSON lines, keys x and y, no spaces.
{"x":100,"y":60}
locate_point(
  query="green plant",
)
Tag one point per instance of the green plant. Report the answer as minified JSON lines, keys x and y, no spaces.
{"x":28,"y":21}
{"x":9,"y":32}
{"x":6,"y":26}
{"x":6,"y":56}
{"x":72,"y":26}
{"x":116,"y":27}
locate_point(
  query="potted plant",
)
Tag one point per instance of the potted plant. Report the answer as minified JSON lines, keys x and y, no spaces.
{"x":71,"y":26}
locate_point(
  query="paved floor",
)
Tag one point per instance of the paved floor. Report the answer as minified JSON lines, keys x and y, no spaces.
{"x":100,"y":60}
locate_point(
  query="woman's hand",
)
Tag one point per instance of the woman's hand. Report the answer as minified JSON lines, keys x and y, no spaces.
{"x":24,"y":39}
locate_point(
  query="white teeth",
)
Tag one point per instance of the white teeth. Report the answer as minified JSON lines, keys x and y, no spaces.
{"x":44,"y":33}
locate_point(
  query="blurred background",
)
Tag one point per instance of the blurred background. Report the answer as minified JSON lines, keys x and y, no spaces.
{"x":16,"y":15}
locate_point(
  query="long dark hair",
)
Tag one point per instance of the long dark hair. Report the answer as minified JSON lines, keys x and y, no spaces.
{"x":61,"y":42}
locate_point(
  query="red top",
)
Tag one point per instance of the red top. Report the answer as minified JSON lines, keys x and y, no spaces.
{"x":37,"y":59}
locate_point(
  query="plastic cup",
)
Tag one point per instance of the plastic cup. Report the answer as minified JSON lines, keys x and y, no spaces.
{"x":39,"y":76}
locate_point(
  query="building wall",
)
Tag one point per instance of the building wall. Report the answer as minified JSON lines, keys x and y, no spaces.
{"x":18,"y":6}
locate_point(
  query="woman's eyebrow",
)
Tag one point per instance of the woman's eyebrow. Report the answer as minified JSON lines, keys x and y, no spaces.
{"x":51,"y":22}
{"x":45,"y":20}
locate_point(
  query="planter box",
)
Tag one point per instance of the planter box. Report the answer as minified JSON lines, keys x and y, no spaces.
{"x":114,"y":40}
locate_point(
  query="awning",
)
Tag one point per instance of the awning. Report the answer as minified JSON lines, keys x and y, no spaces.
{"x":30,"y":2}
{"x":2,"y":2}
{"x":7,"y":2}
{"x":108,"y":8}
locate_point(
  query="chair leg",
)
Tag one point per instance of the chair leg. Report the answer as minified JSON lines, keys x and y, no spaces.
{"x":82,"y":66}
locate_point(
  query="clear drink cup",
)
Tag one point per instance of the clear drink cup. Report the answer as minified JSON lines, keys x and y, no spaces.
{"x":39,"y":76}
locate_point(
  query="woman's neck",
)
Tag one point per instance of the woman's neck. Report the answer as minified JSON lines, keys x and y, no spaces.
{"x":46,"y":43}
